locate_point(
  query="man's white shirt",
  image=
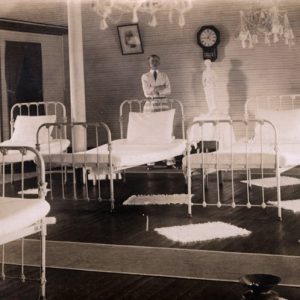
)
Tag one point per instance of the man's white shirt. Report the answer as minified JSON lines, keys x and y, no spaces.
{"x":149,"y":84}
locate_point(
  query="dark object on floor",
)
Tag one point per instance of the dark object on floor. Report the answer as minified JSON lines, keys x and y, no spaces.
{"x":260,"y":286}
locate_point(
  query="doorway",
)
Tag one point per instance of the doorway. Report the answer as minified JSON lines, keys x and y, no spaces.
{"x":24,"y":76}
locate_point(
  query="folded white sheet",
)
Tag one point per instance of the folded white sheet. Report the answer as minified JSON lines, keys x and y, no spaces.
{"x":289,"y":156}
{"x":125,"y":153}
{"x":55,"y":146}
{"x":17,"y":214}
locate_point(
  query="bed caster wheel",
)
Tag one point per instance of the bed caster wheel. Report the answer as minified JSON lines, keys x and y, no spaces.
{"x":190,"y":216}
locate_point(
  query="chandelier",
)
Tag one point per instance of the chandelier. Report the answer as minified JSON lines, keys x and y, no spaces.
{"x":269,"y":23}
{"x":114,"y":9}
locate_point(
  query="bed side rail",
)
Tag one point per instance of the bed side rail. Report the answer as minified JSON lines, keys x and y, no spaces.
{"x":162,"y":103}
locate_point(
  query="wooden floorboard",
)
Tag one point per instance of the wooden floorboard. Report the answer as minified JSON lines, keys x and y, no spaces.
{"x":83,"y":221}
{"x":78,"y":285}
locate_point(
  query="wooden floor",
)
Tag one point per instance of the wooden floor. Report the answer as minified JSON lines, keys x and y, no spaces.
{"x":79,"y":285}
{"x":91,"y":221}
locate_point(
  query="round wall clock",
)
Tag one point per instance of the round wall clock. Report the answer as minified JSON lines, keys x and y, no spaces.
{"x":208,"y":38}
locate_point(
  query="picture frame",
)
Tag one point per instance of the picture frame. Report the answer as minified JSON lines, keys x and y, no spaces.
{"x":130,"y":39}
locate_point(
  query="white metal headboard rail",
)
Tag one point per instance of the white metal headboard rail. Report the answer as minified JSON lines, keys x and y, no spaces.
{"x":56,"y":107}
{"x":160,"y":102}
{"x":268,"y":101}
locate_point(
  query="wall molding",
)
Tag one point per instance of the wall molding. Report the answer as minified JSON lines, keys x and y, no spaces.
{"x":33,"y":27}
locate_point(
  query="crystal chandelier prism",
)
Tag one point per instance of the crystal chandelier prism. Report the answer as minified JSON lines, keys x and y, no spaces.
{"x":112,"y":10}
{"x":269,"y":24}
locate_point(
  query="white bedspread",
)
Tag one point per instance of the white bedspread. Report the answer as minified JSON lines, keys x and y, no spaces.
{"x":125,"y":153}
{"x":55,"y":146}
{"x":17,"y":214}
{"x":289,"y":156}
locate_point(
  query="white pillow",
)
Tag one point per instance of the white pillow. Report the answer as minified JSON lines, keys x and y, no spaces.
{"x":151,"y":128}
{"x":287,"y":123}
{"x":26,"y":127}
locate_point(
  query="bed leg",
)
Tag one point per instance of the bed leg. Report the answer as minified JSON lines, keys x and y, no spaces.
{"x":205,"y":180}
{"x":278,"y":193}
{"x":12,"y":177}
{"x":250,"y":179}
{"x":123,"y":175}
{"x":220,"y":178}
{"x":84,"y":171}
{"x":112,"y":193}
{"x":3,"y":276}
{"x":43,"y":260}
{"x":189,"y":188}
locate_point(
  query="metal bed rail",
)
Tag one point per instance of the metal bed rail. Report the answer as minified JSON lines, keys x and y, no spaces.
{"x":38,"y":227}
{"x":79,"y":160}
{"x":278,"y":102}
{"x":219,"y":165}
{"x":162,"y":103}
{"x":37,"y":109}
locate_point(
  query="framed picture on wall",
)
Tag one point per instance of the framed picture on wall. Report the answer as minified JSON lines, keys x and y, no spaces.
{"x":130,"y":39}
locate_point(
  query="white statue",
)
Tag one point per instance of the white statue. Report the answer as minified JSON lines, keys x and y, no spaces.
{"x":209,"y":79}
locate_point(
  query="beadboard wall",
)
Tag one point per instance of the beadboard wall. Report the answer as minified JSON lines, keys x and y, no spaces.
{"x":112,"y":77}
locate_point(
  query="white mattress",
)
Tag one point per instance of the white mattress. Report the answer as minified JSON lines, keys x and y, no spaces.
{"x":125,"y":154}
{"x":289,"y":156}
{"x":55,"y":146}
{"x":17,"y":214}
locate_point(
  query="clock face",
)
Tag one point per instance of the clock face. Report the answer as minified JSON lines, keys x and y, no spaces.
{"x":208,"y":37}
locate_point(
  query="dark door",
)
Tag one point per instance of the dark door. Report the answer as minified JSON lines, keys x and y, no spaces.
{"x":23,"y":72}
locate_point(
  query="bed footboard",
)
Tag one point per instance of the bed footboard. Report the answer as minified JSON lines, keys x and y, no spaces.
{"x":244,"y":156}
{"x":96,"y":158}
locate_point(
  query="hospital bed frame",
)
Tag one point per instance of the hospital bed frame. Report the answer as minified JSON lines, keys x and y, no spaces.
{"x":276,"y":102}
{"x":36,"y":109}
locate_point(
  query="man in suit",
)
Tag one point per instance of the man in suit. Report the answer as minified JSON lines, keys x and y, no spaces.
{"x":156,"y":84}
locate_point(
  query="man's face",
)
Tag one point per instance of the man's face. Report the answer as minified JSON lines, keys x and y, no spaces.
{"x":154,"y":62}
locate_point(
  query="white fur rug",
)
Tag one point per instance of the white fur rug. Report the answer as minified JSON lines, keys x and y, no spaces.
{"x":293,"y":205}
{"x":270,"y":182}
{"x":201,"y":232}
{"x":157,"y":199}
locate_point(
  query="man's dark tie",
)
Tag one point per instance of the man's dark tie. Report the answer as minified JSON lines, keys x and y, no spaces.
{"x":155,"y":75}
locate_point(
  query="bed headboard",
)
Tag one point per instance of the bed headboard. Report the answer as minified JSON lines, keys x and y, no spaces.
{"x":272,"y":102}
{"x":161,"y":104}
{"x":37,"y":109}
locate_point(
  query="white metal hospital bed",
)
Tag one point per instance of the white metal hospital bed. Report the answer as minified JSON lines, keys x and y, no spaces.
{"x":149,"y":139}
{"x":26,"y":118}
{"x":271,"y":142}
